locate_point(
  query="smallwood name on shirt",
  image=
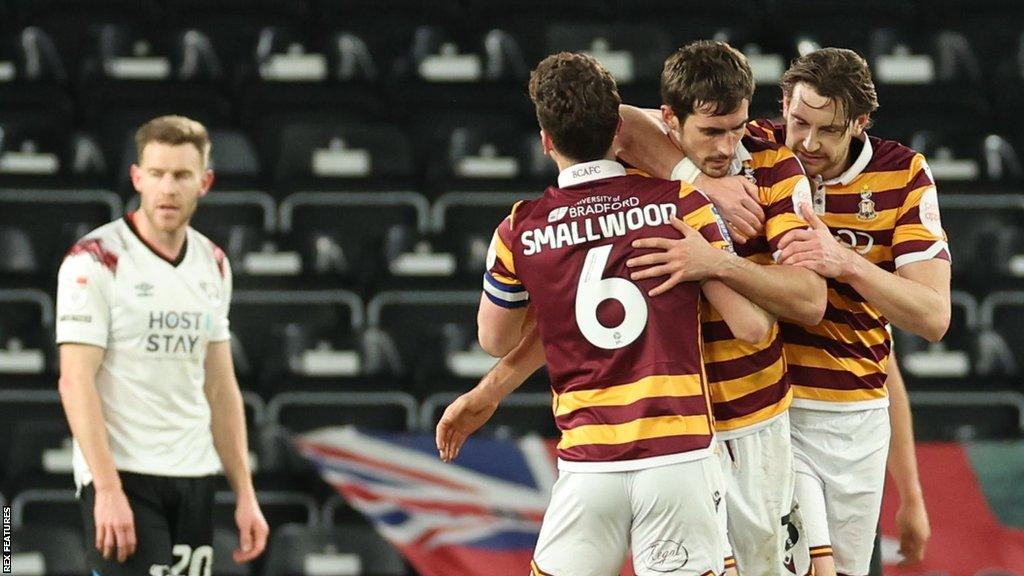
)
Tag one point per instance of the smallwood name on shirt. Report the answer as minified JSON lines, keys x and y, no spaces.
{"x":610,"y":225}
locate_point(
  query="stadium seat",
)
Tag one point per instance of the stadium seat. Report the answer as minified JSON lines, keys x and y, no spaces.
{"x":434,"y":335}
{"x":225,"y":542}
{"x":52,"y":221}
{"x":337,"y":511}
{"x":37,"y":417}
{"x":520,"y":413}
{"x":239,"y":222}
{"x":287,"y":335}
{"x":48,"y":551}
{"x":468,"y":220}
{"x":336,"y":156}
{"x":26,"y":334}
{"x":297,"y":550}
{"x":985,"y":239}
{"x":235,"y":160}
{"x":342,"y":235}
{"x":300,"y":412}
{"x":966,"y":415}
{"x":954,"y":356}
{"x":1002,"y":318}
{"x":278,"y":507}
{"x":50,"y":508}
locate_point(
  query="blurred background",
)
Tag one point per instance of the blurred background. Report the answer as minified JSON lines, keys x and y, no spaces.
{"x":365,"y":150}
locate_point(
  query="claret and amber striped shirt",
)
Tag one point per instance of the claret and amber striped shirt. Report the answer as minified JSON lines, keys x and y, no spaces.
{"x":629,"y":389}
{"x":885,"y":206}
{"x":749,"y":383}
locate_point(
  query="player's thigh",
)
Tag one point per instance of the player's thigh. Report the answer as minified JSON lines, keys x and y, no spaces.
{"x":855,"y":493}
{"x":676,"y":527}
{"x":193,"y":529}
{"x":760,"y":498}
{"x":586,"y":526}
{"x":152,"y":531}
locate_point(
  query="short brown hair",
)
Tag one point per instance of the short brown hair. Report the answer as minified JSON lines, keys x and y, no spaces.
{"x":174,"y":130}
{"x":577,"y":104}
{"x":838,"y":74}
{"x":706,"y":74}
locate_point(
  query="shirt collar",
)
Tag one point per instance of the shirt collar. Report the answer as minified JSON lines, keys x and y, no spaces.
{"x":857,"y":167}
{"x":589,"y":171}
{"x":741,"y":157}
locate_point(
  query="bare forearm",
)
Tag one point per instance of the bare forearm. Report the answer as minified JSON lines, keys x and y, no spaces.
{"x":787,"y":292}
{"x":642,"y":143}
{"x":902,"y":463}
{"x":230,"y":437}
{"x":85,"y":417}
{"x":908,"y":304}
{"x":515,"y":367}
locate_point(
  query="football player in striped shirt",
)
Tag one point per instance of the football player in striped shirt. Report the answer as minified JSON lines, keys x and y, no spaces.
{"x":630,"y":395}
{"x":876,"y":235}
{"x":706,"y":87}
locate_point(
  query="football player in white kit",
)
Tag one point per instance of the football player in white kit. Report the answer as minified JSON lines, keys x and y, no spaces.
{"x":147,"y":381}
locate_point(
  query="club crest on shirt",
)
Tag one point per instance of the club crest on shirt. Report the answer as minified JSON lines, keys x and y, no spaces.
{"x":866,"y":206}
{"x":211,"y":291}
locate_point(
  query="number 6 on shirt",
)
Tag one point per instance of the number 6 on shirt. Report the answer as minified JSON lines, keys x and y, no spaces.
{"x":592,"y":289}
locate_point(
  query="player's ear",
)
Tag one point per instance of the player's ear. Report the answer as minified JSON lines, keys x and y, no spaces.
{"x":136,"y":174}
{"x":669,"y":117}
{"x":860,"y":124}
{"x":208,"y":178}
{"x":545,"y":142}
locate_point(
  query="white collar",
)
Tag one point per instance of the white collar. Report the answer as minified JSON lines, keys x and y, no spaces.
{"x":589,"y":171}
{"x":741,"y":157}
{"x":856,"y":168}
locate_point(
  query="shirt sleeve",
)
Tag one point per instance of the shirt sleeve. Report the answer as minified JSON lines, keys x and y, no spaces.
{"x":919,"y":235}
{"x":501,"y":283}
{"x":788,"y":188}
{"x":697,"y":211}
{"x":83,"y":301}
{"x":221,"y":329}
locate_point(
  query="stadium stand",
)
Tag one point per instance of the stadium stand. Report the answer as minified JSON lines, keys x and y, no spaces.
{"x":361,"y":170}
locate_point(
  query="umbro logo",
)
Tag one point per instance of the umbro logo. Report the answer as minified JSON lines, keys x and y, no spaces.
{"x":144,"y":290}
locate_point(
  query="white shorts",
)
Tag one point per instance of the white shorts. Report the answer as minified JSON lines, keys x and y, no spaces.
{"x":840,"y":472}
{"x":758,"y":470}
{"x":666,"y":514}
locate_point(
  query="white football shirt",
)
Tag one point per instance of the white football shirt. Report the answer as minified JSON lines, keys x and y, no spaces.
{"x":155,"y":318}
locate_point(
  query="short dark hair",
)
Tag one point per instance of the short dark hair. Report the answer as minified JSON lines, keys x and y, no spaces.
{"x":706,"y":74}
{"x":174,"y":130}
{"x":841,"y":75}
{"x":577,"y":104}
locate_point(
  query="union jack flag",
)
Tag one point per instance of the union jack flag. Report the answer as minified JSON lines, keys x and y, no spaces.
{"x":480,"y":515}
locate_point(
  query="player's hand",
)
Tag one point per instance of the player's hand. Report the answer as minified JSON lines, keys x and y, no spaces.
{"x":815,"y":248}
{"x":115,"y":524}
{"x":460,"y":419}
{"x":914,"y":531}
{"x":686,"y":259}
{"x":737,"y":200}
{"x":252,"y":530}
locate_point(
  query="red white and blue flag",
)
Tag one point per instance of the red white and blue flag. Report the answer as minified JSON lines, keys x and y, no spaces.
{"x":478,"y":516}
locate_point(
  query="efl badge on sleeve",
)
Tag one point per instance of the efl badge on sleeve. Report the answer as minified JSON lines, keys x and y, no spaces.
{"x":867,"y":206}
{"x":748,"y":173}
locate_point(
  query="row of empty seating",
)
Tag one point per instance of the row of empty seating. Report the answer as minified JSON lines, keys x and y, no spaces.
{"x":373,"y":241}
{"x":436,"y":151}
